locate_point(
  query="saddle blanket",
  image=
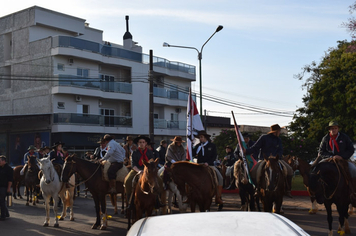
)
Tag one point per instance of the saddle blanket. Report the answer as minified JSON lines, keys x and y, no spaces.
{"x":120,"y":174}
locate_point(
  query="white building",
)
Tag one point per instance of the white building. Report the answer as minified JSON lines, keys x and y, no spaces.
{"x":60,"y":81}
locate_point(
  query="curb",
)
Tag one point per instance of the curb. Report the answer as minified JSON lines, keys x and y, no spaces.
{"x":294,"y":192}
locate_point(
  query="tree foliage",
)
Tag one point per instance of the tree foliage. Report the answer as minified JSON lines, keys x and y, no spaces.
{"x":331,"y":95}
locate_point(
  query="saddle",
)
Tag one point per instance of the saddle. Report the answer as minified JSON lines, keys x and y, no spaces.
{"x":120,"y":174}
{"x":261,"y":166}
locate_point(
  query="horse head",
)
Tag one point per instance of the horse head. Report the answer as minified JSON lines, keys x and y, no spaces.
{"x":47,"y":169}
{"x":149,"y":176}
{"x":69,"y":168}
{"x":324,"y":181}
{"x":273,"y":173}
{"x":32,"y":164}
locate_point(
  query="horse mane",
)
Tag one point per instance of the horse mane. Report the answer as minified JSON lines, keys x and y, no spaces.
{"x":188,"y":164}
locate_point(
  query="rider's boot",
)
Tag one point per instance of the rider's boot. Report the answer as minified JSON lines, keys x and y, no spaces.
{"x":112,"y":185}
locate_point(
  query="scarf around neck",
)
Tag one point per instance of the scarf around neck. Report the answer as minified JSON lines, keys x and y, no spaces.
{"x":333,"y":142}
{"x":143,"y":156}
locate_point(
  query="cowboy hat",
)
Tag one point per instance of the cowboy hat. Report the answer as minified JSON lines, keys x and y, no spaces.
{"x":147,"y":139}
{"x":44,"y":148}
{"x":101,"y":141}
{"x":228,"y":146}
{"x":333,"y":123}
{"x":31,"y":147}
{"x":57,"y":143}
{"x":178,"y":139}
{"x":245,"y":134}
{"x":274,"y":128}
{"x":202,"y":132}
{"x":108,"y":137}
{"x":129,"y":138}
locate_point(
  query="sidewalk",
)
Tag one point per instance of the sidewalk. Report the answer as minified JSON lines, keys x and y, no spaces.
{"x":303,"y":203}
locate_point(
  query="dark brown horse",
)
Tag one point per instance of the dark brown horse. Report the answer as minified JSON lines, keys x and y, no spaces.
{"x":17,"y":182}
{"x":304,"y":169}
{"x":146,"y":190}
{"x":246,"y":189}
{"x":92,"y":174}
{"x":328,"y":185}
{"x":200,"y":181}
{"x":31,"y":180}
{"x":271,"y":187}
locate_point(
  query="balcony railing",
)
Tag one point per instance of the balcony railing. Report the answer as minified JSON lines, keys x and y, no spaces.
{"x":82,"y":44}
{"x":89,"y":119}
{"x":106,"y":86}
{"x":169,"y":124}
{"x":171,"y":94}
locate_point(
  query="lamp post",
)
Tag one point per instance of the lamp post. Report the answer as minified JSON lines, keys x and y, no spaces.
{"x":200,"y":56}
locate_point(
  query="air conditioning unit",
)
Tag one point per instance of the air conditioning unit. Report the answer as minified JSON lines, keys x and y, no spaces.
{"x":178,"y":110}
{"x":78,"y":98}
{"x":70,"y":61}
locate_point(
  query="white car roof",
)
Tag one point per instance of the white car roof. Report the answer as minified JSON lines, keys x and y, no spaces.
{"x":222,"y":223}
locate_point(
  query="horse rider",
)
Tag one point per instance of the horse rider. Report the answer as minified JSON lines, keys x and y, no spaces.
{"x":115,"y":155}
{"x":339,"y":146}
{"x":100,"y":151}
{"x":229,"y":161}
{"x":162,"y":149}
{"x":175,"y":151}
{"x":57,"y":157}
{"x":206,"y":154}
{"x":271,"y":144}
{"x":6,"y":179}
{"x":151,"y":147}
{"x":44,"y":152}
{"x":140,"y":154}
{"x":129,"y":148}
{"x":31,"y":152}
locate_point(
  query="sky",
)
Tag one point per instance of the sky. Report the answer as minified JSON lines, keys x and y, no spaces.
{"x":251,"y":61}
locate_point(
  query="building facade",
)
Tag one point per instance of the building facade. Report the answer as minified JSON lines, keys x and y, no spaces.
{"x":60,"y":81}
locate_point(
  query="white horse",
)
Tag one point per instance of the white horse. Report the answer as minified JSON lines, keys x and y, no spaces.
{"x":52,"y":187}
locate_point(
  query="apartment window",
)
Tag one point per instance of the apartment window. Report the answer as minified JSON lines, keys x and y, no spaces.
{"x":155,"y":116}
{"x":60,"y":67}
{"x":108,"y":85}
{"x":108,"y":114}
{"x":83,"y":72}
{"x":60,"y":105}
{"x":83,"y":109}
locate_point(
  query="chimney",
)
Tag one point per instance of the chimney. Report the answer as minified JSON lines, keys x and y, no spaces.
{"x":127,"y":35}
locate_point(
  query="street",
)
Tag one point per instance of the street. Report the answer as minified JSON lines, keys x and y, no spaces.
{"x":28,"y":220}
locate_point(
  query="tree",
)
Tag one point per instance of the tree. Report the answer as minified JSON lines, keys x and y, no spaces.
{"x":331,"y":95}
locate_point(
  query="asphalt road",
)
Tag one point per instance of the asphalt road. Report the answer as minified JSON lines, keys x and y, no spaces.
{"x":28,"y":220}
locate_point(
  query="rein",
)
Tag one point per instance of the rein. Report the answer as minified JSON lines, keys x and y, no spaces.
{"x":71,"y":167}
{"x":338,"y":182}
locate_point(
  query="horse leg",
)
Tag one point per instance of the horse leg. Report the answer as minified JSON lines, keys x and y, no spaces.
{"x":169,"y":202}
{"x":102,"y":200}
{"x":242,"y":193}
{"x":97,"y":211}
{"x":314,"y":208}
{"x":347,"y":227}
{"x":27,"y":195}
{"x":342,"y":210}
{"x":71,"y":201}
{"x":122,"y":202}
{"x":55,"y":210}
{"x":278,"y":204}
{"x":47,"y":209}
{"x":164,"y":202}
{"x":18,"y":190}
{"x":251,"y":197}
{"x":64,"y":210}
{"x":329,"y":217}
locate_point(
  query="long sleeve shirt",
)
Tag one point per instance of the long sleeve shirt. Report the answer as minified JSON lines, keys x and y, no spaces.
{"x":346,"y":148}
{"x":115,"y":153}
{"x":269,"y":144}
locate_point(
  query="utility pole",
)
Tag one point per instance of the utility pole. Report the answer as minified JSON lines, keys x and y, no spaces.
{"x":151,"y":123}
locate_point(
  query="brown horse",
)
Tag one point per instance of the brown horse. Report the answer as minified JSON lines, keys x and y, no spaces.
{"x":147,"y":189}
{"x":271,"y":187}
{"x":92,"y":174}
{"x":246,"y":189}
{"x":31,"y":179}
{"x":200,"y":181}
{"x":304,"y":169}
{"x":18,"y":180}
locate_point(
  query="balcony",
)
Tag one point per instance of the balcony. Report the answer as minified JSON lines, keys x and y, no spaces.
{"x":111,"y":51}
{"x":89,"y":119}
{"x":171,"y":94}
{"x":106,"y":86}
{"x":169,"y":124}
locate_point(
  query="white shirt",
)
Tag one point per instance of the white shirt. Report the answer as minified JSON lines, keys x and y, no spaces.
{"x":115,"y":153}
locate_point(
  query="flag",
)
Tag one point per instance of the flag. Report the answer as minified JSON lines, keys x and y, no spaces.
{"x":194,"y":125}
{"x":249,"y":161}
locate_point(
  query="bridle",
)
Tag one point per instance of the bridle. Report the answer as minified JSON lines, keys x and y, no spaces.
{"x":72,"y":172}
{"x":323,"y":183}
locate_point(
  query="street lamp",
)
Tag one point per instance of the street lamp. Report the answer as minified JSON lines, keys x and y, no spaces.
{"x":200,"y":56}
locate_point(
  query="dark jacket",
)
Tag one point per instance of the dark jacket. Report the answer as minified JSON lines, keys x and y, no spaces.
{"x":210,"y":153}
{"x":269,"y":144}
{"x":97,"y":153}
{"x":162,"y":154}
{"x":6,"y":175}
{"x":231,"y":159}
{"x":57,"y":159}
{"x":346,"y":148}
{"x":136,"y":157}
